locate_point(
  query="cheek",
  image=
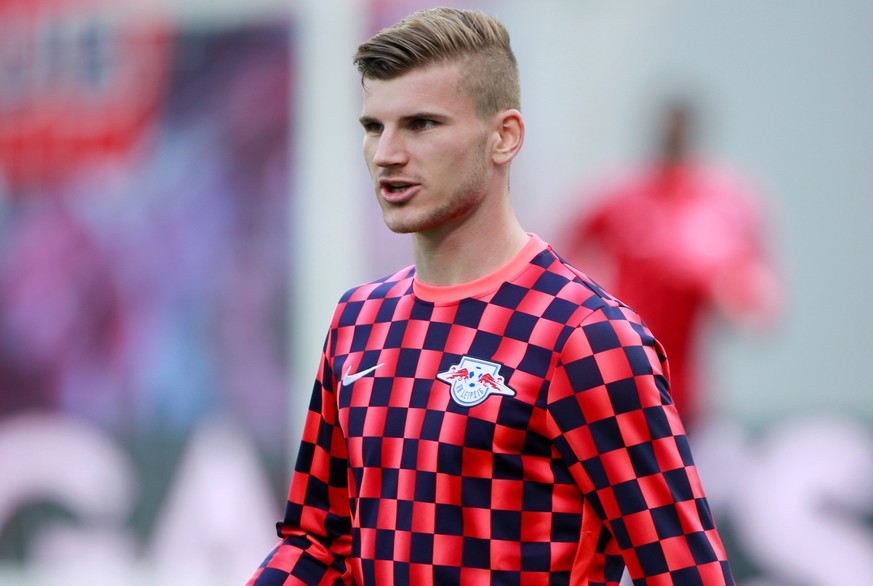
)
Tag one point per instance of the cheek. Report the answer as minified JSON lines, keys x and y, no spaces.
{"x":367,"y":151}
{"x":466,"y":152}
{"x":369,"y":144}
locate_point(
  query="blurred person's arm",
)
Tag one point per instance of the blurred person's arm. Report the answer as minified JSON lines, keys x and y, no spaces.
{"x":747,"y":290}
{"x":582,"y":240}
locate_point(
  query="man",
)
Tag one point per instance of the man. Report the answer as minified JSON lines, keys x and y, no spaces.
{"x":488,"y":415}
{"x":679,"y":241}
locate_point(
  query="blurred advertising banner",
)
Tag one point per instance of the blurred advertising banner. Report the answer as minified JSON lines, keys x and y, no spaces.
{"x":144,"y":189}
{"x":77,"y":81}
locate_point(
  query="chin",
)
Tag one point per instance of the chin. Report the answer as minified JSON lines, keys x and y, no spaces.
{"x":403,"y":225}
{"x":402,"y":228}
{"x":408,"y":223}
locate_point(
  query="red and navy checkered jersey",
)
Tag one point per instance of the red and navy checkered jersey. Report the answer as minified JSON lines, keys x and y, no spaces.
{"x":513,"y":430}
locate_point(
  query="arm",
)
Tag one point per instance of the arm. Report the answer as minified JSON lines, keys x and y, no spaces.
{"x":316,"y":531}
{"x":622,"y":438}
{"x":747,"y":289}
{"x":583,"y":241}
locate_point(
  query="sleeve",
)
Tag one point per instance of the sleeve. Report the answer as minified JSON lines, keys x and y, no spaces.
{"x":747,"y":288}
{"x":618,"y":431}
{"x":316,"y":530}
{"x":583,"y":238}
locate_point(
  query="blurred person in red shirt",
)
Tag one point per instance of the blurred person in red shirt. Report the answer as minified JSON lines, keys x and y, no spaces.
{"x":679,"y":240}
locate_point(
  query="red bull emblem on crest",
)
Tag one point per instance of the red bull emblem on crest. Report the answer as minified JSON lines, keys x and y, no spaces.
{"x":473,"y":380}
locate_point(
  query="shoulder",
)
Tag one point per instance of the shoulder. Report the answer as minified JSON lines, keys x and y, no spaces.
{"x":390,"y":285}
{"x":354,"y":300}
{"x":599,"y":313}
{"x":570,"y":284}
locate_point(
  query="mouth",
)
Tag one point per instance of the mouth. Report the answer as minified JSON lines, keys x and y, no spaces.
{"x":397,"y":191}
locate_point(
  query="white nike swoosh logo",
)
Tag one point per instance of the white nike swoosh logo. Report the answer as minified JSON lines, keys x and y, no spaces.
{"x":350,"y":378}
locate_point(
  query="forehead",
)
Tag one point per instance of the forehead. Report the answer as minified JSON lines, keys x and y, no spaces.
{"x":436,"y":88}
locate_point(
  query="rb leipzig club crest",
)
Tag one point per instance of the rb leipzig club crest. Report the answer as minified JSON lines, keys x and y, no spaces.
{"x":473,"y":380}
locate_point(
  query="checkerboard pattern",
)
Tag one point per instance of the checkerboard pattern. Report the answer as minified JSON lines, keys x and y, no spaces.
{"x":584,"y":469}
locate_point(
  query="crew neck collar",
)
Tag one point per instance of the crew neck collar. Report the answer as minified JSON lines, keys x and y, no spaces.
{"x":483,"y":285}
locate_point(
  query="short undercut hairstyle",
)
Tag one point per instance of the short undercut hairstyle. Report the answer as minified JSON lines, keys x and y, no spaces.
{"x":436,"y":36}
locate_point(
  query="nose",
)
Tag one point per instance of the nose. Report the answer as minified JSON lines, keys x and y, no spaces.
{"x":389,"y":150}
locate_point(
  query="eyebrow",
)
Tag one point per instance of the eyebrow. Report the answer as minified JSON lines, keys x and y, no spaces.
{"x":364,"y":120}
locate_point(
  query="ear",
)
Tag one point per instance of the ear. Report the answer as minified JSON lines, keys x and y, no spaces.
{"x":509,"y":128}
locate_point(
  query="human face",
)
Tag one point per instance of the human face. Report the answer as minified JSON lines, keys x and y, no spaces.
{"x":426,"y":149}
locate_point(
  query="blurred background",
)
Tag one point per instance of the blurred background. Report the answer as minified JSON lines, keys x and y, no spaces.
{"x":183,"y":199}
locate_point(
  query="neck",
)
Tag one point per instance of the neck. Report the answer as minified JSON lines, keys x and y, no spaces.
{"x":470,"y":248}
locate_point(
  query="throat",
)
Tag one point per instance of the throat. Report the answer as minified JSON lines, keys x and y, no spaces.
{"x":455,"y":261}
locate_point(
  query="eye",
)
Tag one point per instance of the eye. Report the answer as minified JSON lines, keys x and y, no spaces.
{"x":372,"y":127}
{"x":422,"y":124}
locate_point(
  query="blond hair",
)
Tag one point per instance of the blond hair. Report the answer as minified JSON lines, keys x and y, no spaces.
{"x":436,"y":36}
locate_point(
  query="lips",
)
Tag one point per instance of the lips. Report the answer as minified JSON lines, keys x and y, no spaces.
{"x":397,"y":191}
